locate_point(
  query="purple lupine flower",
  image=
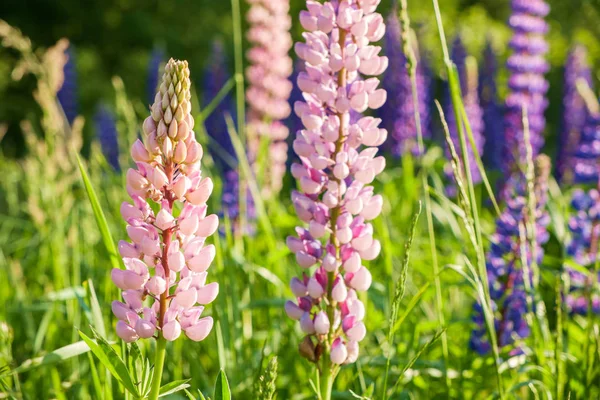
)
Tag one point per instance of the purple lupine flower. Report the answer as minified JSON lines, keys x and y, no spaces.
{"x":398,"y":112}
{"x":216,"y":74}
{"x":106,"y":131}
{"x":574,"y":111}
{"x":527,"y":66}
{"x":584,"y":226}
{"x":215,"y":77}
{"x":467,"y":72}
{"x":492,"y":110}
{"x":167,"y":258}
{"x":336,"y":199}
{"x":587,"y":153}
{"x":269,"y":87}
{"x":504,"y":261}
{"x":157,"y":59}
{"x":67,"y":95}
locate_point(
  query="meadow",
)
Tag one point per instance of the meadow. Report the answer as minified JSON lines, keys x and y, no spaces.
{"x":462,"y":256}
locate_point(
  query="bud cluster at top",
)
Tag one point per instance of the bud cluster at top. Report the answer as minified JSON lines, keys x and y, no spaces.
{"x":164,"y":283}
{"x":337,"y":165}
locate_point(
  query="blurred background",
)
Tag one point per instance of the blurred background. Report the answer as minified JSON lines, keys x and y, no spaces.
{"x":54,"y":268}
{"x":119,"y":38}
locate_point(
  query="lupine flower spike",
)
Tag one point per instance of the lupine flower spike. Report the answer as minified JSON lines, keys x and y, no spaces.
{"x":269,"y":88}
{"x":338,"y":164}
{"x":467,"y":71}
{"x":492,"y":111}
{"x":67,"y":95}
{"x":574,"y":112}
{"x":398,"y":112}
{"x":164,"y":280}
{"x":584,"y":225}
{"x":106,"y":131}
{"x":505,"y":267}
{"x":527,"y":84}
{"x":215,"y":77}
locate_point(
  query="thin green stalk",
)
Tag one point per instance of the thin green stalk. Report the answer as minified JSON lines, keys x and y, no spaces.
{"x":239,"y":68}
{"x":458,"y":106}
{"x":159,"y":363}
{"x":326,"y":380}
{"x":412,"y":67}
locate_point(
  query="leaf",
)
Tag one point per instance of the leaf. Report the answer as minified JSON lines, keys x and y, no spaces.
{"x":56,"y":356}
{"x":222,"y":391}
{"x":99,"y":216}
{"x":174,"y":387}
{"x":111,"y":360}
{"x":97,"y":319}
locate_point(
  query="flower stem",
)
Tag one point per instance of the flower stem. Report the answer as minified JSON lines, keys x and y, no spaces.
{"x":159,"y":363}
{"x":326,"y":383}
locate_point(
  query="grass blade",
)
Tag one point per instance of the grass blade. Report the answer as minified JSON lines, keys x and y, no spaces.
{"x":99,"y":216}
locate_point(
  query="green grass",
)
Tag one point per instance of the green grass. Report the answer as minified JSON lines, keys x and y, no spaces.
{"x":55,"y":266}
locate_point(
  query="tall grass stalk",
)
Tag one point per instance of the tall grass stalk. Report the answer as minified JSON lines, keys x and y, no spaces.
{"x":411,"y":60}
{"x":454,"y":83}
{"x":399,"y":294}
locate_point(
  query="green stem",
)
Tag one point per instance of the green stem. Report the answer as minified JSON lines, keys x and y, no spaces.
{"x":159,"y":363}
{"x":326,"y":382}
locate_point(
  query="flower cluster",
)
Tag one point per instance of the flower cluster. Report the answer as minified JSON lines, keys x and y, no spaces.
{"x":505,"y":269}
{"x":269,"y":87}
{"x":67,"y":95}
{"x":467,"y":71}
{"x":574,"y":111}
{"x":587,"y":154}
{"x":164,"y":283}
{"x":584,"y":226}
{"x":492,"y":111}
{"x":527,"y":84}
{"x":106,"y":131}
{"x":335,"y":171}
{"x":398,"y":112}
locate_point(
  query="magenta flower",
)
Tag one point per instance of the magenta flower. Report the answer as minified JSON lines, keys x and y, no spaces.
{"x":164,"y":280}
{"x":270,"y":87}
{"x":338,"y":163}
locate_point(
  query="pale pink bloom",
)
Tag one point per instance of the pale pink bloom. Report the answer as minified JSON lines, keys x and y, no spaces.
{"x":338,"y":163}
{"x":167,"y":252}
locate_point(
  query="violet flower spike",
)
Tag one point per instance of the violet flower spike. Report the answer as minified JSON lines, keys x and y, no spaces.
{"x":575,"y":112}
{"x":398,"y":112}
{"x":504,"y":264}
{"x":338,"y":163}
{"x":469,"y":80}
{"x":492,"y":110}
{"x":269,"y":88}
{"x":164,"y":280}
{"x":527,"y":85}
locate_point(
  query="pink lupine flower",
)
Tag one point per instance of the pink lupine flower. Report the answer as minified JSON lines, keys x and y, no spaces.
{"x":338,"y":162}
{"x":164,"y":280}
{"x":270,"y":87}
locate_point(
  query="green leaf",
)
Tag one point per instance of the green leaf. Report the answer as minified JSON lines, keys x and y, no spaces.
{"x":99,"y":216}
{"x":56,"y":356}
{"x":174,"y":387}
{"x":222,"y":391}
{"x":97,"y":319}
{"x":111,"y":360}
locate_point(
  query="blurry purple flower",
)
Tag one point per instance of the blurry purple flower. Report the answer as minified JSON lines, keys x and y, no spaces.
{"x":492,"y":110}
{"x":67,"y":95}
{"x":527,"y":85}
{"x":504,"y":260}
{"x":398,"y":112}
{"x":106,"y":131}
